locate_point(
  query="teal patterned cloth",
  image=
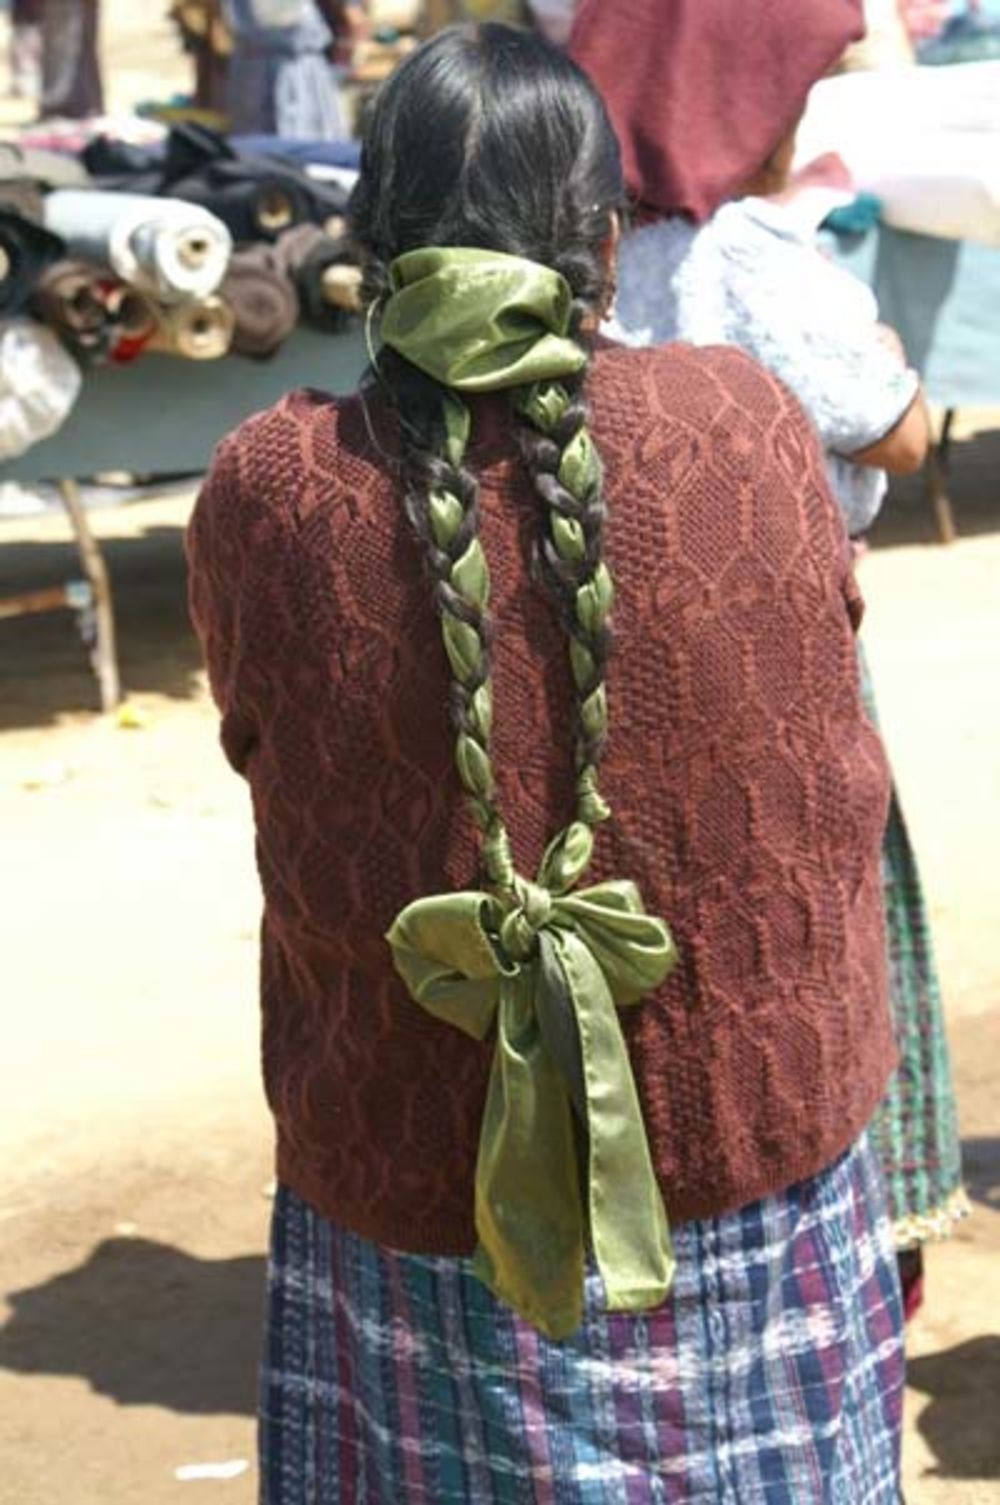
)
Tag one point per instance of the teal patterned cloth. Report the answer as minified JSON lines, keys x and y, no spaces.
{"x":915,"y":1130}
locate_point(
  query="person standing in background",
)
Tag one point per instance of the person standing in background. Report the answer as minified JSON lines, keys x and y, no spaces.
{"x":206,"y":38}
{"x":281,"y":81}
{"x":71,"y":71}
{"x":25,"y":48}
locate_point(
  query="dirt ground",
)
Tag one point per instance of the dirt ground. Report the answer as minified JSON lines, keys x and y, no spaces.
{"x":135,"y":1148}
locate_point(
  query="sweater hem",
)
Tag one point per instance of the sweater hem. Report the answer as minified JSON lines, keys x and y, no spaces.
{"x":448,"y":1237}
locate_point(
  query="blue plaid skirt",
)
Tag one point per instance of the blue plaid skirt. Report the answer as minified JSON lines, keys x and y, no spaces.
{"x":772,"y":1374}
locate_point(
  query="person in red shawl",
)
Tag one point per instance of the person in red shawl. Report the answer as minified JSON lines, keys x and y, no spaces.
{"x":706,"y":96}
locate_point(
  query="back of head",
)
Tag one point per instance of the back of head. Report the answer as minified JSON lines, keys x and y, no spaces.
{"x":490,"y":137}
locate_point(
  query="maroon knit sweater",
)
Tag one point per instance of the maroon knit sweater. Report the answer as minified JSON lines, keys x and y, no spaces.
{"x":748,"y":789}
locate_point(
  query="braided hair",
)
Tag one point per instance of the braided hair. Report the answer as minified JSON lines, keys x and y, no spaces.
{"x":488,"y":137}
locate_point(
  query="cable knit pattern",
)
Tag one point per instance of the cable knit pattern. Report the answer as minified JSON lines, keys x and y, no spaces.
{"x":753,"y":276}
{"x":748,"y":789}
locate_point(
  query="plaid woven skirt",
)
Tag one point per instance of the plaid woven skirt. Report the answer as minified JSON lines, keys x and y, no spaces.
{"x":915,"y":1129}
{"x":772,"y":1374}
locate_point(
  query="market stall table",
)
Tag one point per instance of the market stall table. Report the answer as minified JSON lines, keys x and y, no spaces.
{"x":161,"y":416}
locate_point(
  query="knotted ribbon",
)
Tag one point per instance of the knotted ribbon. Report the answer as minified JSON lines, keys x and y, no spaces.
{"x":478,"y":321}
{"x":549,"y":974}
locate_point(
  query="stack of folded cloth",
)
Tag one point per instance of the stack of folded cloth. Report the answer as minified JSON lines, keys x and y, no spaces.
{"x":194,"y":246}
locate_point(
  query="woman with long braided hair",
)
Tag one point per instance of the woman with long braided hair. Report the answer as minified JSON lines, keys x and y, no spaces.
{"x":538,"y":657}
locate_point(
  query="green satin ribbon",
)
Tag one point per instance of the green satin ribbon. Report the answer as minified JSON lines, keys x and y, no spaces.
{"x":549,"y":975}
{"x":542,"y":965}
{"x":478,"y":321}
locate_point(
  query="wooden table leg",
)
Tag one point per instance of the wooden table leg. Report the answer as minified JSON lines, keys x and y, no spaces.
{"x":937,"y":481}
{"x":103,"y":656}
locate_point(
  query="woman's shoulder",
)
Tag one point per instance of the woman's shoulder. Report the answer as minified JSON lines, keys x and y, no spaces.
{"x":710,"y":424}
{"x":693,"y":384}
{"x":306,"y":445}
{"x":291,"y":423}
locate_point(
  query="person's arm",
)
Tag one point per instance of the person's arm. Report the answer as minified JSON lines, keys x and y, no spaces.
{"x":216,"y":544}
{"x":904,"y":449}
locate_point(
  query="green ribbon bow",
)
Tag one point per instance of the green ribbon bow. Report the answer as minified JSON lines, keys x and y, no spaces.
{"x":480,"y":320}
{"x":549,"y":974}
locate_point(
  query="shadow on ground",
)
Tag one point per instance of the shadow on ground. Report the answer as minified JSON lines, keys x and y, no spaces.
{"x":960,"y":1423}
{"x":146,"y":1325}
{"x":44,"y":666}
{"x":907,"y":516}
{"x":981,"y":1172}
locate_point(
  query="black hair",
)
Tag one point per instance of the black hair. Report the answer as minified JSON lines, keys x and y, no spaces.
{"x":490,"y":137}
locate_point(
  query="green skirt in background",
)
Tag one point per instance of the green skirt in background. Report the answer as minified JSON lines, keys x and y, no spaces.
{"x":915,"y":1129}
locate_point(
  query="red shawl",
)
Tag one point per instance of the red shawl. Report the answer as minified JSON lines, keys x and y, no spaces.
{"x":702,"y":91}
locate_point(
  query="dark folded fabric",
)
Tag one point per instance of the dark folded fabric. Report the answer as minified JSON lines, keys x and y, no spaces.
{"x":120,"y":164}
{"x":25,"y":251}
{"x":263,"y":299}
{"x":344,"y":154}
{"x":309,"y":256}
{"x":256,"y":197}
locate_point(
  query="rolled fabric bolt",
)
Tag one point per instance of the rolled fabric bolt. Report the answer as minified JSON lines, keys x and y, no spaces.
{"x":263,"y":299}
{"x":168,"y":249}
{"x":93,"y":312}
{"x":274,"y":211}
{"x":133,"y":314}
{"x":342,"y":287}
{"x":198,"y":331}
{"x":27,"y":251}
{"x":68,"y":299}
{"x":321,"y":268}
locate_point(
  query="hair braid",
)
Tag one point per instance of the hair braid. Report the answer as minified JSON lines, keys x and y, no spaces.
{"x":441,"y":499}
{"x":566,"y":472}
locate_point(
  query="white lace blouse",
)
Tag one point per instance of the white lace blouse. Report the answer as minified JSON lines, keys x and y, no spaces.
{"x":754,"y":277}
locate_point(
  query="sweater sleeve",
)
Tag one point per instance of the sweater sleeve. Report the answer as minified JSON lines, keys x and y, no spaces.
{"x":218,"y":577}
